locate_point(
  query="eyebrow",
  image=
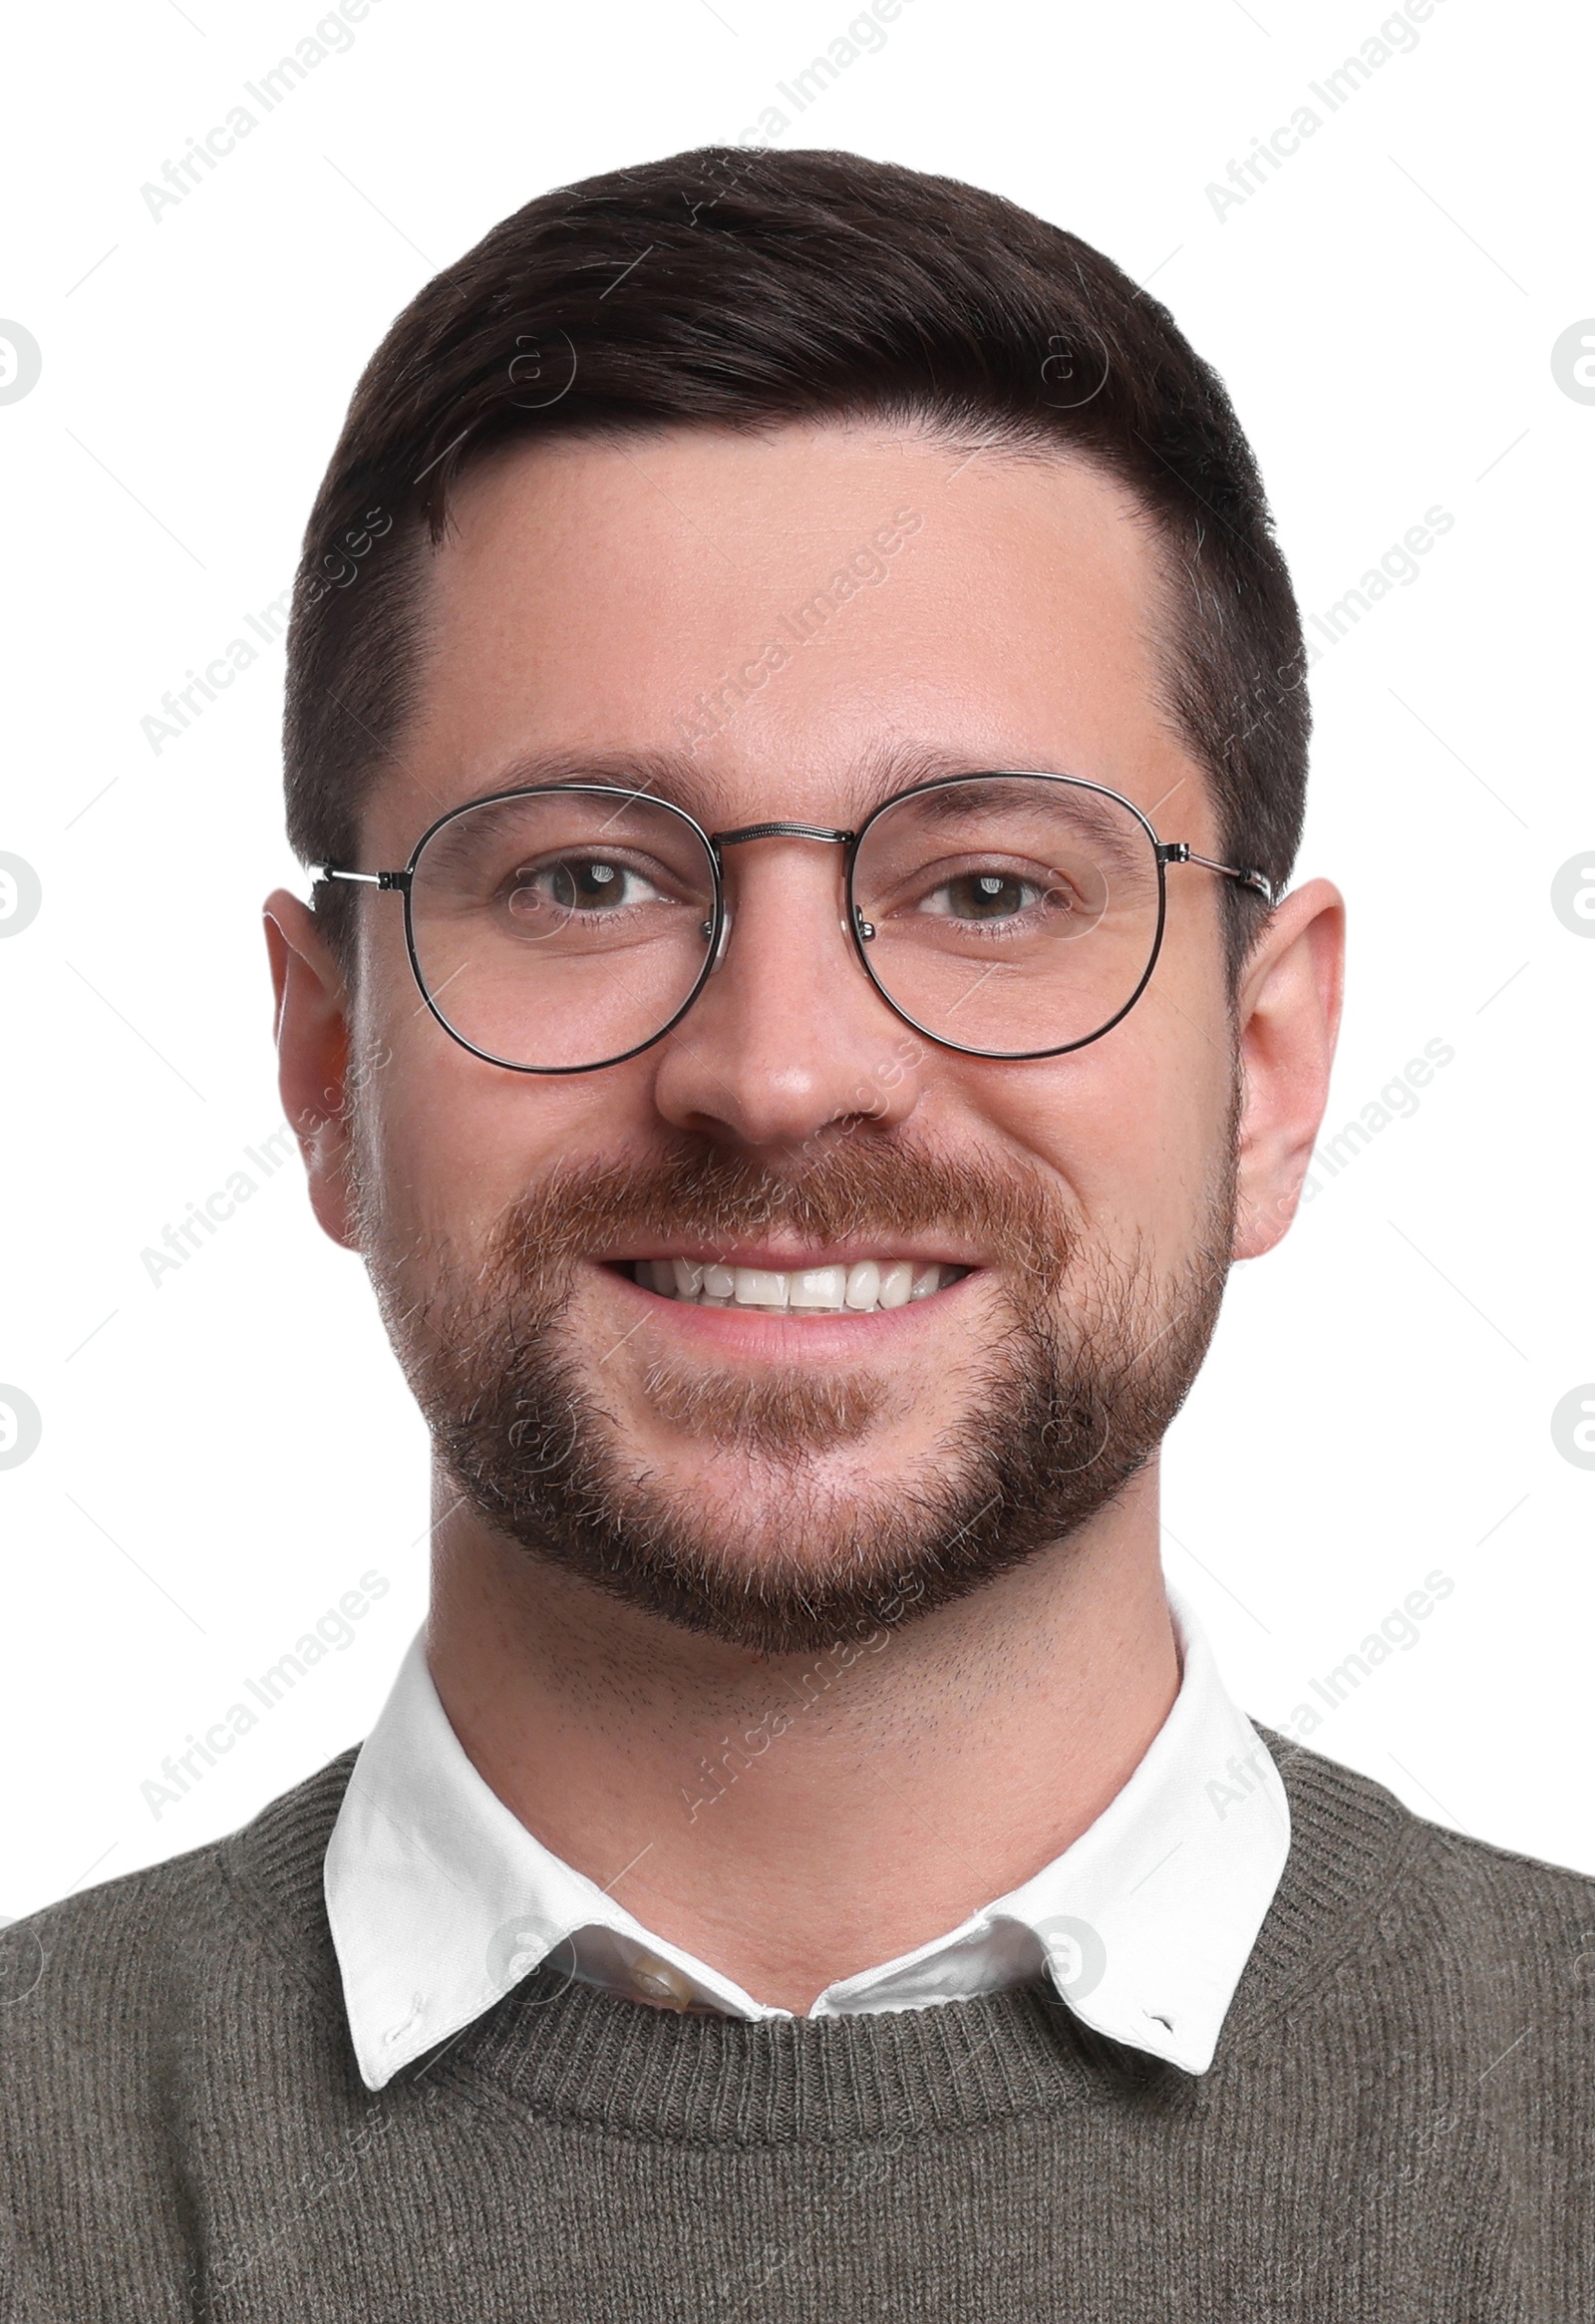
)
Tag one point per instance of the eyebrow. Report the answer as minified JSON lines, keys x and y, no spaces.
{"x":883,"y":769}
{"x":1083,"y":810}
{"x":648,"y":774}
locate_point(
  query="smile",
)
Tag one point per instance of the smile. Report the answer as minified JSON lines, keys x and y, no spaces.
{"x":866,"y":1287}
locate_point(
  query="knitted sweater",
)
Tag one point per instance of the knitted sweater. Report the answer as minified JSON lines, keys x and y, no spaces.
{"x":1397,"y":2125}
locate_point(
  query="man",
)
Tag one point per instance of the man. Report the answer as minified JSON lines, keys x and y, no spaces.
{"x":796,"y":710}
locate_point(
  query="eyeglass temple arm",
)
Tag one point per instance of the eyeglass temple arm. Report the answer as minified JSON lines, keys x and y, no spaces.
{"x":398,"y":879}
{"x":1181,"y":851}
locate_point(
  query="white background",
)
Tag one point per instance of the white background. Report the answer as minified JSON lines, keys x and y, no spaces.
{"x":223,"y":1456}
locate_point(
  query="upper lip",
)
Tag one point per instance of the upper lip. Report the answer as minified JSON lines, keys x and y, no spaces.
{"x":786,"y":1260}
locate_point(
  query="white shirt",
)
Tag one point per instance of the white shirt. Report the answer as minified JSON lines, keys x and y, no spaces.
{"x":441,"y":1900}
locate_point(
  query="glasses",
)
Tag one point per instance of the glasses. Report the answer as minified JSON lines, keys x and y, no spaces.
{"x":569,"y":926}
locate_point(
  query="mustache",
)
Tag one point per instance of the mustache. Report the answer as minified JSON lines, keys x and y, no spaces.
{"x":712,"y":1196}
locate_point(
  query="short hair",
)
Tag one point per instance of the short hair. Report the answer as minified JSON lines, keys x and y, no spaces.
{"x":747,"y":288}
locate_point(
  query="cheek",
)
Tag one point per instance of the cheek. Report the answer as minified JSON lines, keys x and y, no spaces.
{"x":454,"y":1141}
{"x":1129,"y":1126}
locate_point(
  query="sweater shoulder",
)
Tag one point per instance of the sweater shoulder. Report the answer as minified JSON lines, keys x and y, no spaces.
{"x":1370,"y":1886}
{"x":1330,"y":1797}
{"x":177,"y":1928}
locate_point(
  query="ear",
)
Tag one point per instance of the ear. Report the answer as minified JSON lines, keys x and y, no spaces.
{"x":1288,"y":1012}
{"x":312,"y":1034}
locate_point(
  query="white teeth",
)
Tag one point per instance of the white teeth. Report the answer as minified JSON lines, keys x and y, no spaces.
{"x":759,"y":1287}
{"x":864,"y":1288}
{"x":820,"y":1287}
{"x":897,"y":1283}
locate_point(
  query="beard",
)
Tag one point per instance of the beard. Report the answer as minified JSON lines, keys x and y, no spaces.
{"x":771,"y":1550}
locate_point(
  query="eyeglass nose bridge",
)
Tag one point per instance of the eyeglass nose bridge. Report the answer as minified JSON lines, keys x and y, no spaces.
{"x":774,"y":830}
{"x":782,"y":831}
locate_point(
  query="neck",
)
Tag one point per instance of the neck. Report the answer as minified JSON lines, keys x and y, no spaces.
{"x":795,"y":1820}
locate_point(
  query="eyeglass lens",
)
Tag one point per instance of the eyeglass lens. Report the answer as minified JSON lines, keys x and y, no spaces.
{"x":1011,"y":913}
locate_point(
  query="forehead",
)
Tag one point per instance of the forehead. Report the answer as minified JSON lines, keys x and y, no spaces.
{"x":794,"y":623}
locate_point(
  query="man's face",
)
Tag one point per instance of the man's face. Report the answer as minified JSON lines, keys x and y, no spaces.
{"x":761,"y":1475}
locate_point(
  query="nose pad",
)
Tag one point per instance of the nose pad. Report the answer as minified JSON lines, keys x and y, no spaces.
{"x":725,"y":936}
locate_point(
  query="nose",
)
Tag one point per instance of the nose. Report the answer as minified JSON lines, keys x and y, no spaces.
{"x":789,"y":1038}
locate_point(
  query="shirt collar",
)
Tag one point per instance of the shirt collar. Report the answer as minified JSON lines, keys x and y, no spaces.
{"x":440,"y":1900}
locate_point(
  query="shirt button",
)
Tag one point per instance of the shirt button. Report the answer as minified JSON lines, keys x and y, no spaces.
{"x":657,"y":1981}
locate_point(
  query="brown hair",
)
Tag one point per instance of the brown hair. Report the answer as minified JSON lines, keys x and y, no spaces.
{"x":747,"y":288}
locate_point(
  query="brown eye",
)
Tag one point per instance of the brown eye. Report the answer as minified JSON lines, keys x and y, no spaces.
{"x":983,"y":895}
{"x":578,"y":884}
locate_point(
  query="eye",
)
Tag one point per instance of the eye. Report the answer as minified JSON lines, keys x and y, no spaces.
{"x":577,"y":884}
{"x":984,"y":896}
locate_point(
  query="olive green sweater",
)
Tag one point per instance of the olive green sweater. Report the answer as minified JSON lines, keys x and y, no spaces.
{"x":1396,"y":2128}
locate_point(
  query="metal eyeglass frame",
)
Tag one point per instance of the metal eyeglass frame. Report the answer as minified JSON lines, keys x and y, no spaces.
{"x":715,"y":928}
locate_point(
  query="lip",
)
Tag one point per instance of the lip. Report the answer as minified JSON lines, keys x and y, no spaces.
{"x":762,"y":1336}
